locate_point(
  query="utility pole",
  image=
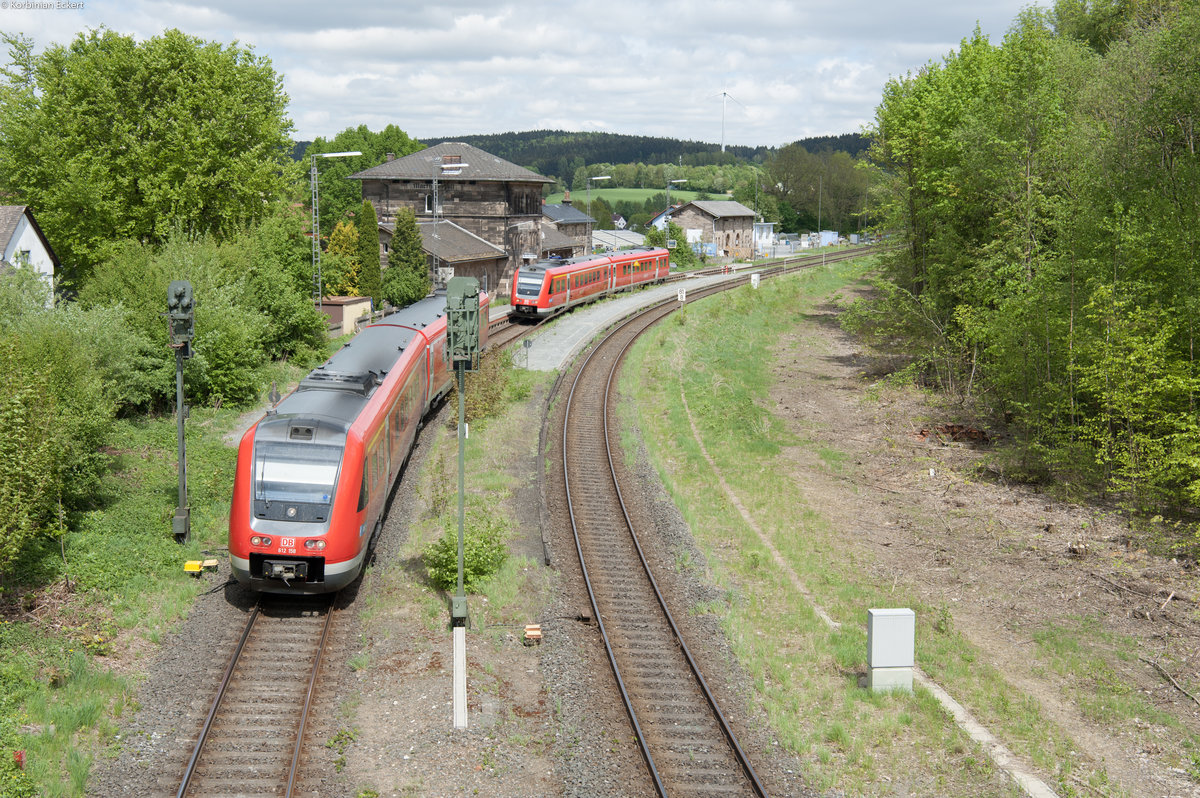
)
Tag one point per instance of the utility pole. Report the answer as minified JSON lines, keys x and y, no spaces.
{"x":462,"y":352}
{"x":181,"y":328}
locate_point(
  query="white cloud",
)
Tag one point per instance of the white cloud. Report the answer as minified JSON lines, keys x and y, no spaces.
{"x":478,"y":66}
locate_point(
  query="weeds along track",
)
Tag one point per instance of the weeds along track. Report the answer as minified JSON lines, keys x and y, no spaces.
{"x":252,"y":739}
{"x":688,"y":747}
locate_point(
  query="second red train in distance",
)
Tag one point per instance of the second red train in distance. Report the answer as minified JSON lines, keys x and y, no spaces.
{"x":548,"y":287}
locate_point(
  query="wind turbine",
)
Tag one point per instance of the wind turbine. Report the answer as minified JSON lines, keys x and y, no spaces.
{"x":724,"y":95}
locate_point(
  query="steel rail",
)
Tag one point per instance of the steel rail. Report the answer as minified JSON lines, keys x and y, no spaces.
{"x":308,"y":696}
{"x":662,"y":309}
{"x":212,"y":712}
{"x":197,"y":757}
{"x":739,"y":754}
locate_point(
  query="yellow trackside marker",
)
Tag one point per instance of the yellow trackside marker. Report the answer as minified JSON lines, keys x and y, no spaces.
{"x":209,"y":565}
{"x":193,"y":567}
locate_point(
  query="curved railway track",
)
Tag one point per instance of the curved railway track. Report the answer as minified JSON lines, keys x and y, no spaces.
{"x":688,"y":747}
{"x":251,"y":740}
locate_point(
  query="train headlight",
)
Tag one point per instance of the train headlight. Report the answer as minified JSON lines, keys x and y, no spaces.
{"x":260,"y":540}
{"x":317,"y":544}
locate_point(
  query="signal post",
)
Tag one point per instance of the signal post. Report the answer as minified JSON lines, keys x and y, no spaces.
{"x":462,"y":351}
{"x":181,"y":328}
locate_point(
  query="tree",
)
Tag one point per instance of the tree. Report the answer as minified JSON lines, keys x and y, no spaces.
{"x":340,"y":264}
{"x":112,"y":138}
{"x":370,"y":276}
{"x":339,"y":196}
{"x":682,"y":256}
{"x":407,"y":276}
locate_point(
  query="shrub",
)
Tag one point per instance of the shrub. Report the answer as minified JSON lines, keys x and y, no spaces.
{"x":483,"y":549}
{"x":228,"y":354}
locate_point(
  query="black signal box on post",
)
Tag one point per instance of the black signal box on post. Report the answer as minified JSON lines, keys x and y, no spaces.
{"x":462,"y":322}
{"x":181,"y":313}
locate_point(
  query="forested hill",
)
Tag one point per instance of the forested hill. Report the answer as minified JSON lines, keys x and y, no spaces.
{"x":558,"y":153}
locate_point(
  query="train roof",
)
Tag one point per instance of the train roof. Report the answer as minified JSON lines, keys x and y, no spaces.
{"x":341,"y":387}
{"x":558,"y":263}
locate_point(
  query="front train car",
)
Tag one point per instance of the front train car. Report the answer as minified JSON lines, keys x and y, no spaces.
{"x":313,"y":475}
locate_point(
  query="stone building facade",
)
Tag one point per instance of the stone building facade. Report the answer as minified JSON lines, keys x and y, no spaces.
{"x":575,"y":225}
{"x":727,"y":224}
{"x":486,"y":196}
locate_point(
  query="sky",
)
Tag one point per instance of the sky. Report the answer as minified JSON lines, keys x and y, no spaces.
{"x":743,"y":72}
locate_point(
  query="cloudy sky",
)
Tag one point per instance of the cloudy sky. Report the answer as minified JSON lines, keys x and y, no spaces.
{"x":777,"y":70}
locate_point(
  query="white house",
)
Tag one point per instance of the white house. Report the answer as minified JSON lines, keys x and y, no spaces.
{"x":23,"y":241}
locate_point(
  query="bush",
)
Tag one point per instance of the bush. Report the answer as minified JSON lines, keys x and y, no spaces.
{"x":483,"y":549}
{"x":229,"y":353}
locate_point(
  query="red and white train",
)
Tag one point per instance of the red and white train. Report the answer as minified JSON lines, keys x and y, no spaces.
{"x":314,"y":474}
{"x":547,"y":287}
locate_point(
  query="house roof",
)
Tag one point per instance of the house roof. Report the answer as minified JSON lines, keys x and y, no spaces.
{"x":617,"y":239}
{"x":553,"y":238}
{"x":721,"y":208}
{"x":10,"y":219}
{"x":565,"y":214}
{"x":475,"y":165}
{"x":447,"y":241}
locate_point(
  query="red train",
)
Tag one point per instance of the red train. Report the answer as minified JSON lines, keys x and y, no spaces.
{"x":314,"y":474}
{"x":550,"y":286}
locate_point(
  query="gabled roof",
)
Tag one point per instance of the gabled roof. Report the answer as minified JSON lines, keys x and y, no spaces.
{"x":565,"y":214}
{"x":475,"y":165}
{"x":449,"y":242}
{"x":10,"y":219}
{"x":554,"y":239}
{"x":721,"y":208}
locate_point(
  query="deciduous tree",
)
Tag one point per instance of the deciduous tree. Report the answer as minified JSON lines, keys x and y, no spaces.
{"x":111,"y":138}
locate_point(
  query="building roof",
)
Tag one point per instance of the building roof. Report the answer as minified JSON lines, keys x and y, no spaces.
{"x":475,"y":165}
{"x":617,"y":239}
{"x":565,"y":214}
{"x":10,"y":219}
{"x":720,"y":208}
{"x":447,"y":241}
{"x":553,"y":238}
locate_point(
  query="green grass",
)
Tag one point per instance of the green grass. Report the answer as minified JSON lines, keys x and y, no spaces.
{"x":804,"y":674}
{"x":116,"y":575}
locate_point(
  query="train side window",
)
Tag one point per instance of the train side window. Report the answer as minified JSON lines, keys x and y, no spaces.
{"x":363,"y":492}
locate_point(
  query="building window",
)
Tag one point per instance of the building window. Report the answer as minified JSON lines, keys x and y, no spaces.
{"x":428,"y":203}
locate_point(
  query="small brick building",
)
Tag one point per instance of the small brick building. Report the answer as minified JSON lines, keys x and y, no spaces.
{"x":727,"y":224}
{"x":573,"y":224}
{"x":484,"y":195}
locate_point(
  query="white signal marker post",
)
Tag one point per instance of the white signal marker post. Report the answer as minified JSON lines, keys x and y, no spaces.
{"x":462,"y":352}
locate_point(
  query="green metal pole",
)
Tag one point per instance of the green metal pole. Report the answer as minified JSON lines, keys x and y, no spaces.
{"x":461,"y":368}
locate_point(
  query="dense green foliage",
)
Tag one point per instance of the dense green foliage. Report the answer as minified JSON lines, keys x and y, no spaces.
{"x":682,"y":256}
{"x":1048,"y":190}
{"x":111,"y":139}
{"x":340,"y":198}
{"x":484,"y":537}
{"x":560,"y":154}
{"x":370,"y":276}
{"x":406,"y":278}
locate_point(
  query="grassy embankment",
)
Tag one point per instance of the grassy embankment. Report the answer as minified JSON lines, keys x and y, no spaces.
{"x":718,"y":354}
{"x":85,"y":612}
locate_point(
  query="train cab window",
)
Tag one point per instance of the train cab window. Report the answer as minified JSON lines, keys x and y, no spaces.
{"x":291,"y":473}
{"x":529,"y":284}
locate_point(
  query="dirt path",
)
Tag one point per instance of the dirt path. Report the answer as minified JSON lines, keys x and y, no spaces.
{"x":1004,"y":562}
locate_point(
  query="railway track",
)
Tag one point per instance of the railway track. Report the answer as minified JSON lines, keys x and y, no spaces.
{"x":688,"y":746}
{"x":251,"y":740}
